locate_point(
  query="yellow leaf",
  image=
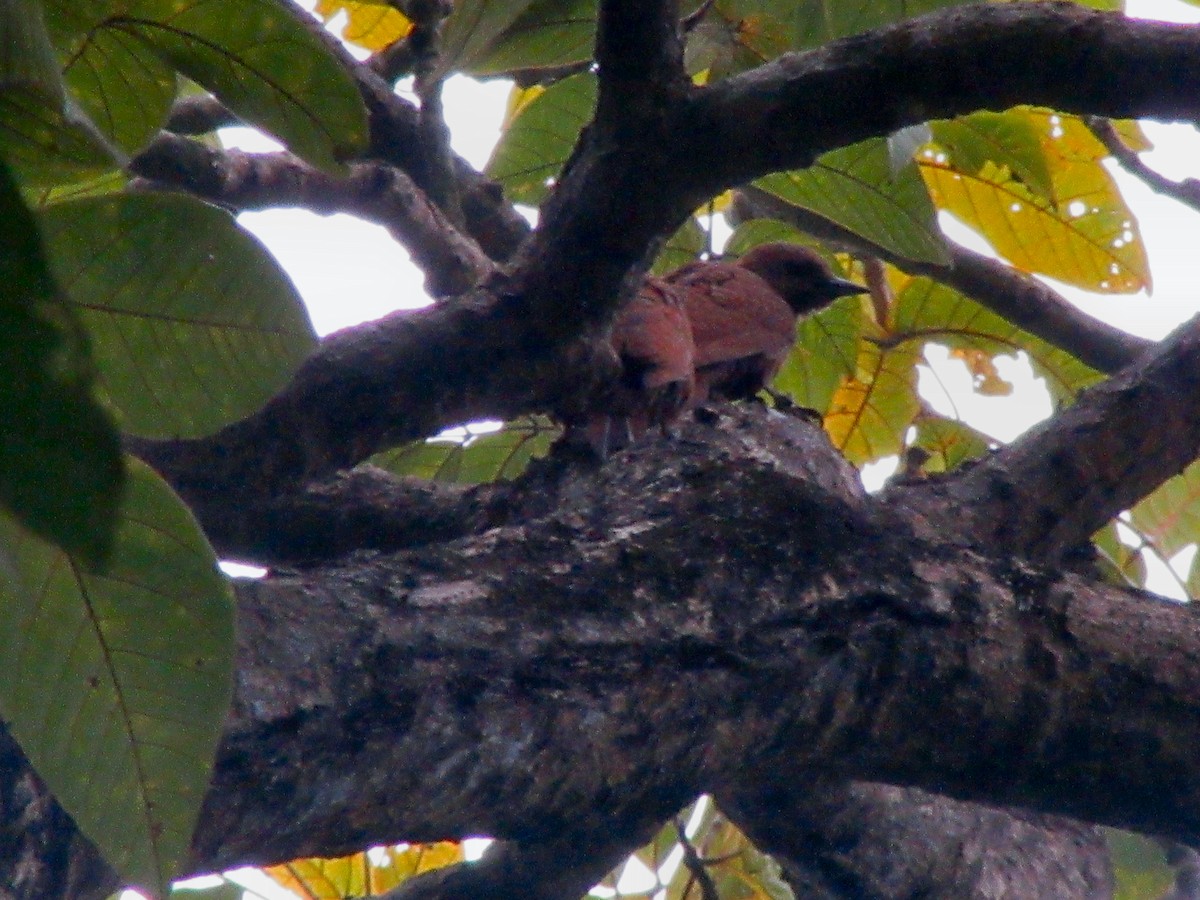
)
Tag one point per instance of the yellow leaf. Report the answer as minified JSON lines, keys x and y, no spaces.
{"x":872,"y":409}
{"x":518,"y":99}
{"x":370,"y":25}
{"x":368,"y":873}
{"x":1088,"y":237}
{"x":982,"y":366}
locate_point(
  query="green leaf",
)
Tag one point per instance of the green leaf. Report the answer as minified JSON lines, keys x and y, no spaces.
{"x":548,"y":33}
{"x":687,"y":243}
{"x":47,"y":143}
{"x":1139,"y":866}
{"x":262,"y":59}
{"x":1170,"y":517}
{"x":1118,"y":563}
{"x":928,"y":311}
{"x":27,"y":59}
{"x":821,"y":21}
{"x":193,"y":322}
{"x":1009,"y":139}
{"x":538,"y":141}
{"x":61,"y":471}
{"x":855,"y":187}
{"x":472,"y":29}
{"x":125,"y":89}
{"x":495,"y":456}
{"x":226,"y":890}
{"x":735,"y":35}
{"x":117,"y":685}
{"x":872,"y":409}
{"x":948,"y":442}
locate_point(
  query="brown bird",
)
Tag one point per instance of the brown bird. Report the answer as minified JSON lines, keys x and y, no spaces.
{"x":743,"y":314}
{"x":652,"y":340}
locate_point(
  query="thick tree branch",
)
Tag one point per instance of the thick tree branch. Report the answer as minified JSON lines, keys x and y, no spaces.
{"x":854,"y":839}
{"x":955,"y":61}
{"x":1047,"y":493}
{"x":731,"y":603}
{"x":613,"y":206}
{"x":452,"y":261}
{"x":1019,"y":298}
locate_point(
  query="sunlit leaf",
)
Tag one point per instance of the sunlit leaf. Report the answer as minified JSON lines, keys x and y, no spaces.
{"x":534,"y":147}
{"x":60,"y":455}
{"x":494,"y":456}
{"x":1085,"y":235}
{"x":1009,"y":139}
{"x":366,"y":874}
{"x":193,"y":323}
{"x":370,"y":24}
{"x":854,"y":187}
{"x":548,"y":33}
{"x":872,"y":409}
{"x":117,"y":685}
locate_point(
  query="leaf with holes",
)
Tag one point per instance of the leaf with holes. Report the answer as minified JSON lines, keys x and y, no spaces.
{"x":192,"y":321}
{"x":539,"y":139}
{"x":927,"y":311}
{"x":117,"y":685}
{"x":60,"y":455}
{"x":1008,"y":139}
{"x":262,"y":59}
{"x":855,"y":187}
{"x":1085,"y":237}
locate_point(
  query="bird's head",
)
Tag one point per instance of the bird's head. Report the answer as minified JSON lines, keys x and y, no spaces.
{"x":799,"y":275}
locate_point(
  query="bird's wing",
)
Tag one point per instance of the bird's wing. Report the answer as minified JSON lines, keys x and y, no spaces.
{"x":653,"y":336}
{"x":734,"y":313}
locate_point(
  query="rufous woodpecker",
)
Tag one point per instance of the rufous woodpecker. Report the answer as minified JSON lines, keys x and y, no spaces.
{"x":743,"y":314}
{"x":652,"y":340}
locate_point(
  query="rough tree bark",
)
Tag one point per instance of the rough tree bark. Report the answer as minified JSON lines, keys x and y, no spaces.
{"x":564,"y":661}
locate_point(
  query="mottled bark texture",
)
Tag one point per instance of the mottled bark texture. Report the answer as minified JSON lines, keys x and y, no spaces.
{"x":565,"y":661}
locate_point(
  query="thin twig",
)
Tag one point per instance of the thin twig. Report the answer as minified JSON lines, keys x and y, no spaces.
{"x":1186,"y":191}
{"x":695,"y":865}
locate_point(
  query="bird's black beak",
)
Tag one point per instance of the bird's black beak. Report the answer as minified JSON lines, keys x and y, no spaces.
{"x":840,"y":287}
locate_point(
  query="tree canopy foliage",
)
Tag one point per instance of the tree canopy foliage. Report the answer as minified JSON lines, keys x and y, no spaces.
{"x":944,"y":688}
